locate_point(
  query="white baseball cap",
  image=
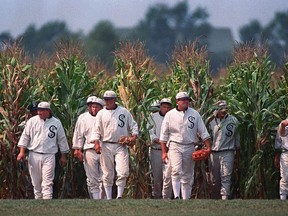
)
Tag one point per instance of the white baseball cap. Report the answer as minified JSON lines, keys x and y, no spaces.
{"x":222,"y":105}
{"x":91,"y":99}
{"x":100,"y":101}
{"x":155,"y":104}
{"x":181,"y":95}
{"x":109,"y":95}
{"x":43,"y":105}
{"x":166,"y":100}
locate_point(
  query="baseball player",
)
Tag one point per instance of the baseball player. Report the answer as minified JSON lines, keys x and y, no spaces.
{"x":155,"y":154}
{"x":180,"y":127}
{"x":112,"y":123}
{"x":281,"y":157}
{"x":42,"y":136}
{"x":225,"y":145}
{"x":81,"y":141}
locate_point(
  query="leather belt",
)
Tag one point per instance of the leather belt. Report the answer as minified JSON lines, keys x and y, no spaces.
{"x":154,"y":148}
{"x":223,"y":150}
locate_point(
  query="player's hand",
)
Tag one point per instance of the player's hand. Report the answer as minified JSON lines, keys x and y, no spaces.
{"x":284,"y":123}
{"x":78,"y":154}
{"x":63,"y":160}
{"x":277,"y":161}
{"x":21,"y":156}
{"x":164,"y":157}
{"x":97,"y":148}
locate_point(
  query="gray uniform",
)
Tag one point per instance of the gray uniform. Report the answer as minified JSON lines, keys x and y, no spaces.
{"x":181,"y":129}
{"x":281,"y":143}
{"x":161,"y":173}
{"x":81,"y":140}
{"x":42,"y":139}
{"x":225,"y":141}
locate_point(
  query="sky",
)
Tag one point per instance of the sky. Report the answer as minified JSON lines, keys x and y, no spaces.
{"x":83,"y":15}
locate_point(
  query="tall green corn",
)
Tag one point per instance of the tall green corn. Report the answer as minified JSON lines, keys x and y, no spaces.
{"x":137,"y":88}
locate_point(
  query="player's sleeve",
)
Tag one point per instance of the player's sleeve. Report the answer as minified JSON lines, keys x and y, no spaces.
{"x":25,"y":136}
{"x":202,"y":130}
{"x":62,"y":140}
{"x":164,"y":134}
{"x":78,"y":138}
{"x":96,"y":130}
{"x":151,"y":126}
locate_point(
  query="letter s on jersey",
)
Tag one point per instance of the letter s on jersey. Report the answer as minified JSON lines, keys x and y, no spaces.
{"x":230,"y":130}
{"x":121,"y":119}
{"x":191,"y":119}
{"x":52,"y":132}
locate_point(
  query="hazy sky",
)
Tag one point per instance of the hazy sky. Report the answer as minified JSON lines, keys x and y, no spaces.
{"x":16,"y":15}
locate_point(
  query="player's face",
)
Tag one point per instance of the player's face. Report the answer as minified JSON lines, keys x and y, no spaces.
{"x":164,"y":108}
{"x":221,"y":114}
{"x":110,"y":103}
{"x":43,"y":113}
{"x":94,"y":109}
{"x":183,"y":103}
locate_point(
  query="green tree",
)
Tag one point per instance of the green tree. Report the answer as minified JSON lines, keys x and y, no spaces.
{"x":162,"y":27}
{"x":44,"y":39}
{"x":274,"y":34}
{"x":101,"y":42}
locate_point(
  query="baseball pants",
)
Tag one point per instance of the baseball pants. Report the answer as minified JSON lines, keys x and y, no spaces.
{"x":157,"y":172}
{"x":221,"y":169}
{"x":42,"y":171}
{"x":167,"y":182}
{"x":182,"y":166}
{"x":118,"y":154}
{"x":283,"y":186}
{"x":93,"y":173}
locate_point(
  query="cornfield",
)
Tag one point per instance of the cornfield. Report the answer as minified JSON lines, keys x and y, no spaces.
{"x":255,"y":96}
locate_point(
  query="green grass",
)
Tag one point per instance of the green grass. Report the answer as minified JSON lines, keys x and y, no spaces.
{"x":142,"y":207}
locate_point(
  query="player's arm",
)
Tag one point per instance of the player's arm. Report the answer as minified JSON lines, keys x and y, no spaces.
{"x":282,"y":127}
{"x":21,"y":154}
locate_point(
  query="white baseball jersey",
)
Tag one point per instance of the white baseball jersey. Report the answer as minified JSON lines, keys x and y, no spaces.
{"x":44,"y":136}
{"x":82,"y":131}
{"x":154,"y":125}
{"x":110,"y":125}
{"x":225,"y":136}
{"x":183,"y":127}
{"x":282,"y":142}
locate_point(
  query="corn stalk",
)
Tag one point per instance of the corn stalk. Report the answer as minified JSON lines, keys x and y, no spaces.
{"x":190,"y":72}
{"x":15,"y":94}
{"x":67,"y":86}
{"x":252,"y":100}
{"x":137,"y":88}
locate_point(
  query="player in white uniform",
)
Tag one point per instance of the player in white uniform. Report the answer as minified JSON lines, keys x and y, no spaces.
{"x":281,"y":144}
{"x":225,"y":146}
{"x":81,"y":141}
{"x":181,"y":127}
{"x":42,"y":136}
{"x":155,"y":154}
{"x":113,"y":122}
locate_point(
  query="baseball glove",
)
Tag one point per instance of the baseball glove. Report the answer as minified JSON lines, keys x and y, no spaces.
{"x":125,"y":140}
{"x":201,"y":154}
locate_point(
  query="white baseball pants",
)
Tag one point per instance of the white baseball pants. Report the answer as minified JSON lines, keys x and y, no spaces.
{"x":283,"y":186}
{"x":182,"y":166}
{"x":42,"y":171}
{"x":93,"y":173}
{"x":118,"y":154}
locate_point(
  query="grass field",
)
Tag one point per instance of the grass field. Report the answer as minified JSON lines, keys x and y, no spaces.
{"x":142,"y":207}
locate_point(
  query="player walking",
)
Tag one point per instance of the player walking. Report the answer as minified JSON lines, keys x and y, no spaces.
{"x":112,"y":123}
{"x":42,"y":136}
{"x":226,"y":144}
{"x":81,"y":141}
{"x":181,"y":127}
